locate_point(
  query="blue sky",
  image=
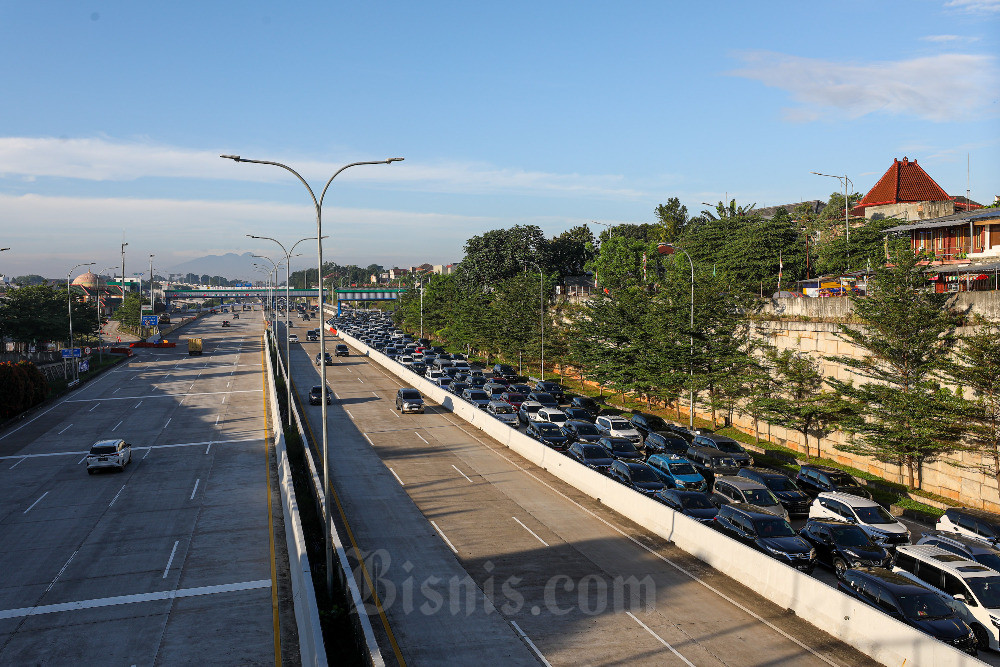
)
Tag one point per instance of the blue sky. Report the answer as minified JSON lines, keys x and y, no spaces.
{"x":550,"y":113}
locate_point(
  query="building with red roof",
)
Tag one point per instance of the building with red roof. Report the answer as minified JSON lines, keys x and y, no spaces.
{"x":907,"y":192}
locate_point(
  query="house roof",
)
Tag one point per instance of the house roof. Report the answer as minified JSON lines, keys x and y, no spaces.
{"x":903,"y":182}
{"x":981,"y":216}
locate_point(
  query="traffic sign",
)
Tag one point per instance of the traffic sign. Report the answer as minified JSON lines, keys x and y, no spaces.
{"x":86,"y":350}
{"x":71,"y":352}
{"x":84,"y":365}
{"x":150,"y":320}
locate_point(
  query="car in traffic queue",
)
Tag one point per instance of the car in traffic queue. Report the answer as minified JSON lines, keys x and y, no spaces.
{"x":545,"y":398}
{"x":502,"y":411}
{"x":409,"y":400}
{"x":553,"y":416}
{"x":504,"y":371}
{"x":970,"y":548}
{"x":973,"y":523}
{"x":458,"y":388}
{"x":592,"y":455}
{"x":480,"y":399}
{"x":725,"y":445}
{"x":665,"y":443}
{"x":547,"y":433}
{"x":113,"y":454}
{"x":841,"y":545}
{"x":553,"y":388}
{"x":618,"y":427}
{"x":578,"y":414}
{"x":581,"y":431}
{"x":695,"y":504}
{"x":587,"y":403}
{"x":677,"y":473}
{"x":710,"y":462}
{"x":316,"y":395}
{"x":637,"y":476}
{"x":770,"y":534}
{"x":815,"y":479}
{"x":733,"y":489}
{"x":783,"y":487}
{"x":528,"y":412}
{"x":621,"y":449}
{"x":646,"y":424}
{"x":868,"y":514}
{"x":325,"y":357}
{"x":511,"y":398}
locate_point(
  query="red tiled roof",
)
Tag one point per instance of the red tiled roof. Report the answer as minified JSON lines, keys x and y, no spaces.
{"x":905,"y":181}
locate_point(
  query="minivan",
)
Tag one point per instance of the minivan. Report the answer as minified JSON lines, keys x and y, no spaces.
{"x":725,"y":445}
{"x":977,"y":524}
{"x":872,"y":517}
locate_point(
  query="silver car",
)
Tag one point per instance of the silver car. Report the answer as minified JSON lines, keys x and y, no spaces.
{"x":503,"y":411}
{"x":109,"y":454}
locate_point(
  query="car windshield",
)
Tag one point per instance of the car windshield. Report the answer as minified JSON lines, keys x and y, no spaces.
{"x":594,"y":452}
{"x":410,"y":393}
{"x":780,"y":484}
{"x":986,"y":590}
{"x":841,"y":479}
{"x":478,"y":395}
{"x":874,"y":514}
{"x":543,"y":397}
{"x":851,"y":536}
{"x":696,"y":503}
{"x":619,"y":424}
{"x":773,"y":528}
{"x":531,"y":409}
{"x":586,"y":429}
{"x":643,"y":474}
{"x":729,"y":447}
{"x":683,"y":469}
{"x":624,"y":448}
{"x":557,"y":418}
{"x":924,"y":606}
{"x":761,"y":497}
{"x":990,"y":560}
{"x":503,"y":409}
{"x":545,"y":428}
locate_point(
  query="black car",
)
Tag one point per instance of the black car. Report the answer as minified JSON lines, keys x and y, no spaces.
{"x":646,"y":424}
{"x":841,"y":545}
{"x":545,"y":398}
{"x":578,"y":414}
{"x":591,"y":455}
{"x":638,"y":476}
{"x":504,"y":371}
{"x":621,"y":449}
{"x":342,"y":350}
{"x":548,"y":434}
{"x":457,"y":388}
{"x":815,"y":480}
{"x":327,"y":358}
{"x":726,"y":446}
{"x":581,"y":431}
{"x":767,"y":533}
{"x":711,"y":462}
{"x":225,"y":323}
{"x":665,"y":443}
{"x":418,"y":367}
{"x":551,"y":388}
{"x":909,"y":602}
{"x":310,"y":335}
{"x":587,"y":403}
{"x":316,"y":395}
{"x":477,"y":397}
{"x":783,"y":487}
{"x":694,"y":504}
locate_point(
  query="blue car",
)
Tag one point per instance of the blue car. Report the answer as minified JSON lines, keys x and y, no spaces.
{"x":677,"y":473}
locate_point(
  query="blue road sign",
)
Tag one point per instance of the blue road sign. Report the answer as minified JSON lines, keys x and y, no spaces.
{"x":84,"y":365}
{"x":71,"y":352}
{"x":150,"y":320}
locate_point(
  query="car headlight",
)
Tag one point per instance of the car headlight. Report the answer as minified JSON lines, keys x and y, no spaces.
{"x":812,"y":553}
{"x":995,"y":620}
{"x":777,"y":552}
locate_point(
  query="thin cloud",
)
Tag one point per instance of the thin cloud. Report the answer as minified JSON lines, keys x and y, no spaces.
{"x":945,"y":39}
{"x":906,"y":87}
{"x":975,"y":6}
{"x":101,"y":159}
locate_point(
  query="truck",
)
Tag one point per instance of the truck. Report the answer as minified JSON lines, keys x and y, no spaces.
{"x":194,"y":346}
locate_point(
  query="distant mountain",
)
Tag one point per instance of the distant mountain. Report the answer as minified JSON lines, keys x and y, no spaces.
{"x":230,"y":265}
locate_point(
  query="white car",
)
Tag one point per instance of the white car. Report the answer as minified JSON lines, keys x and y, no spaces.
{"x":553,"y":415}
{"x":292,"y":338}
{"x":109,"y":454}
{"x":871,"y":517}
{"x":618,"y":427}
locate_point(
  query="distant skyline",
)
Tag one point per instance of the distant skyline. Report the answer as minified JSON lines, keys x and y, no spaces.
{"x":552,"y":114}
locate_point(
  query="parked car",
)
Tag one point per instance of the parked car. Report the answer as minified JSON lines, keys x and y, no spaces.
{"x":977,"y":524}
{"x":479,"y":398}
{"x":910,"y":602}
{"x":618,"y":427}
{"x":546,"y":399}
{"x":637,"y":476}
{"x":512,"y":398}
{"x":795,"y":501}
{"x":553,"y":388}
{"x":503,"y":412}
{"x":733,"y":489}
{"x":587,"y":403}
{"x":113,"y":453}
{"x":342,"y":350}
{"x":868,"y":514}
{"x":504,"y":371}
{"x":409,"y":400}
{"x":592,"y":455}
{"x":548,"y":434}
{"x":327,"y":358}
{"x":316,"y":395}
{"x":528,"y":412}
{"x":840,"y":545}
{"x":694,"y":504}
{"x":677,"y":473}
{"x":578,"y":414}
{"x":969,"y":548}
{"x":646,"y":424}
{"x":767,"y":533}
{"x":580,"y":431}
{"x":665,"y":443}
{"x":552,"y":415}
{"x":621,"y":449}
{"x":815,"y":480}
{"x":710,"y":462}
{"x":725,"y":445}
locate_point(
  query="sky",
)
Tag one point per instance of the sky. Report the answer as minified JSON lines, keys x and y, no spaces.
{"x":554,"y":113}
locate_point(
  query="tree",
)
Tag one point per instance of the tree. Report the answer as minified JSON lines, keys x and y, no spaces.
{"x":672,"y":216}
{"x":40,"y":313}
{"x":129,"y":313}
{"x":28,"y":280}
{"x":22,"y":385}
{"x":502,"y":253}
{"x":904,"y":416}
{"x":868,"y":247}
{"x":570,"y":252}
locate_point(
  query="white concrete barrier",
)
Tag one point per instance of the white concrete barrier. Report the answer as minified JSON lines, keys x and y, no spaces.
{"x":872,"y":632}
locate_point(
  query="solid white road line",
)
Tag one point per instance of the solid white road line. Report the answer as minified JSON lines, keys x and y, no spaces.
{"x":195,"y":490}
{"x":202,"y":393}
{"x":116,"y":426}
{"x":35,"y":503}
{"x":660,"y":639}
{"x":422,"y":438}
{"x":72,"y":556}
{"x":531,"y":644}
{"x":117,"y":494}
{"x":64,"y":430}
{"x":171,"y":559}
{"x":533,"y":534}
{"x":444,"y":537}
{"x":21,"y":460}
{"x":129,"y":599}
{"x":217,"y":417}
{"x":461,"y":473}
{"x":397,"y":477}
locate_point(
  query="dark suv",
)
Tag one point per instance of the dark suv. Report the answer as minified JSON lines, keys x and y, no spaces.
{"x":841,"y":545}
{"x":767,"y":533}
{"x":646,"y":424}
{"x":638,"y":476}
{"x":725,"y":445}
{"x":553,"y":388}
{"x":341,"y":350}
{"x":711,"y":462}
{"x":664,"y":443}
{"x":815,"y":480}
{"x":504,"y":371}
{"x":587,"y":403}
{"x":785,"y":488}
{"x":316,"y":395}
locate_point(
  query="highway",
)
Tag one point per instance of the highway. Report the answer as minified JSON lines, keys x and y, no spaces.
{"x":574,"y":582}
{"x":170,"y":561}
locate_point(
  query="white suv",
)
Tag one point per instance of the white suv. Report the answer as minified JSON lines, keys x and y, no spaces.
{"x":867,"y":514}
{"x":553,"y":415}
{"x":618,"y":427}
{"x":109,"y":454}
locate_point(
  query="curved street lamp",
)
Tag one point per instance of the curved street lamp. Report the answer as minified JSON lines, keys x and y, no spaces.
{"x":669,"y":249}
{"x":318,"y":205}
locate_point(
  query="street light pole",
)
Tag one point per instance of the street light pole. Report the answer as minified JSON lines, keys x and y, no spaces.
{"x":669,"y":249}
{"x":541,"y":317}
{"x":318,"y":205}
{"x":152,"y":309}
{"x":844,"y":180}
{"x":100,"y":324}
{"x":123,"y":274}
{"x":69,"y":303}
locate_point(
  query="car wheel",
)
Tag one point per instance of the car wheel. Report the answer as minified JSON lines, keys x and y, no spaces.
{"x":982,"y":637}
{"x":840,"y":567}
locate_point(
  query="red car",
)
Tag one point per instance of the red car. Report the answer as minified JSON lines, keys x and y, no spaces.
{"x":512,"y":398}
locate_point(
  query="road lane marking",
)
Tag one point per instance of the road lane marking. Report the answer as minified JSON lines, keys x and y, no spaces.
{"x":62,"y":570}
{"x":361,"y":381}
{"x":35,"y":503}
{"x":349,"y":413}
{"x":368,"y":439}
{"x":208,"y":448}
{"x":444,"y":537}
{"x":130,"y":599}
{"x":217,"y":417}
{"x":117,"y":494}
{"x":137,"y":405}
{"x":148,"y":450}
{"x":171,"y":559}
{"x":201,"y":393}
{"x":116,"y":426}
{"x":116,"y":390}
{"x":531,"y":644}
{"x":533,"y":533}
{"x":422,"y":438}
{"x":660,"y":639}
{"x":223,"y":399}
{"x":21,"y":460}
{"x":78,"y":462}
{"x":394,"y":413}
{"x":376,"y":395}
{"x":396,"y":476}
{"x":168,"y":422}
{"x":64,"y":430}
{"x":195,"y":488}
{"x":150,"y":447}
{"x":94,"y":408}
{"x":462,"y":473}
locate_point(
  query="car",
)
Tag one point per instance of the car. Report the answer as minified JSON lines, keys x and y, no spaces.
{"x":814,"y":480}
{"x":733,"y":489}
{"x":587,"y":403}
{"x":458,"y":388}
{"x":481,"y":399}
{"x":476,"y":381}
{"x":316,"y":395}
{"x":444,"y":381}
{"x":646,"y":424}
{"x":665,"y":443}
{"x":621,"y":449}
{"x":511,"y":398}
{"x":341,"y":350}
{"x":225,"y":323}
{"x":795,"y":500}
{"x":292,"y":338}
{"x":433,"y":374}
{"x":325,"y":358}
{"x":868,"y":514}
{"x":592,"y":455}
{"x":553,"y":388}
{"x":841,"y":545}
{"x":581,"y":431}
{"x":637,"y":476}
{"x":983,"y":553}
{"x":504,"y":371}
{"x":503,"y":412}
{"x":677,"y":473}
{"x":552,"y":415}
{"x":547,"y":433}
{"x":710,"y":462}
{"x":770,"y":534}
{"x":578,"y":414}
{"x":418,"y":367}
{"x":725,"y":445}
{"x":495,"y":390}
{"x":977,"y":524}
{"x":910,"y":602}
{"x":545,"y":398}
{"x":112,"y":453}
{"x":409,"y":400}
{"x":528,"y":411}
{"x":312,"y":336}
{"x":618,"y":427}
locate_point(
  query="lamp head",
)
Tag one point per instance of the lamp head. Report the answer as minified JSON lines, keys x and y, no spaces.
{"x":394,"y":159}
{"x":665,"y":248}
{"x":234,"y":158}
